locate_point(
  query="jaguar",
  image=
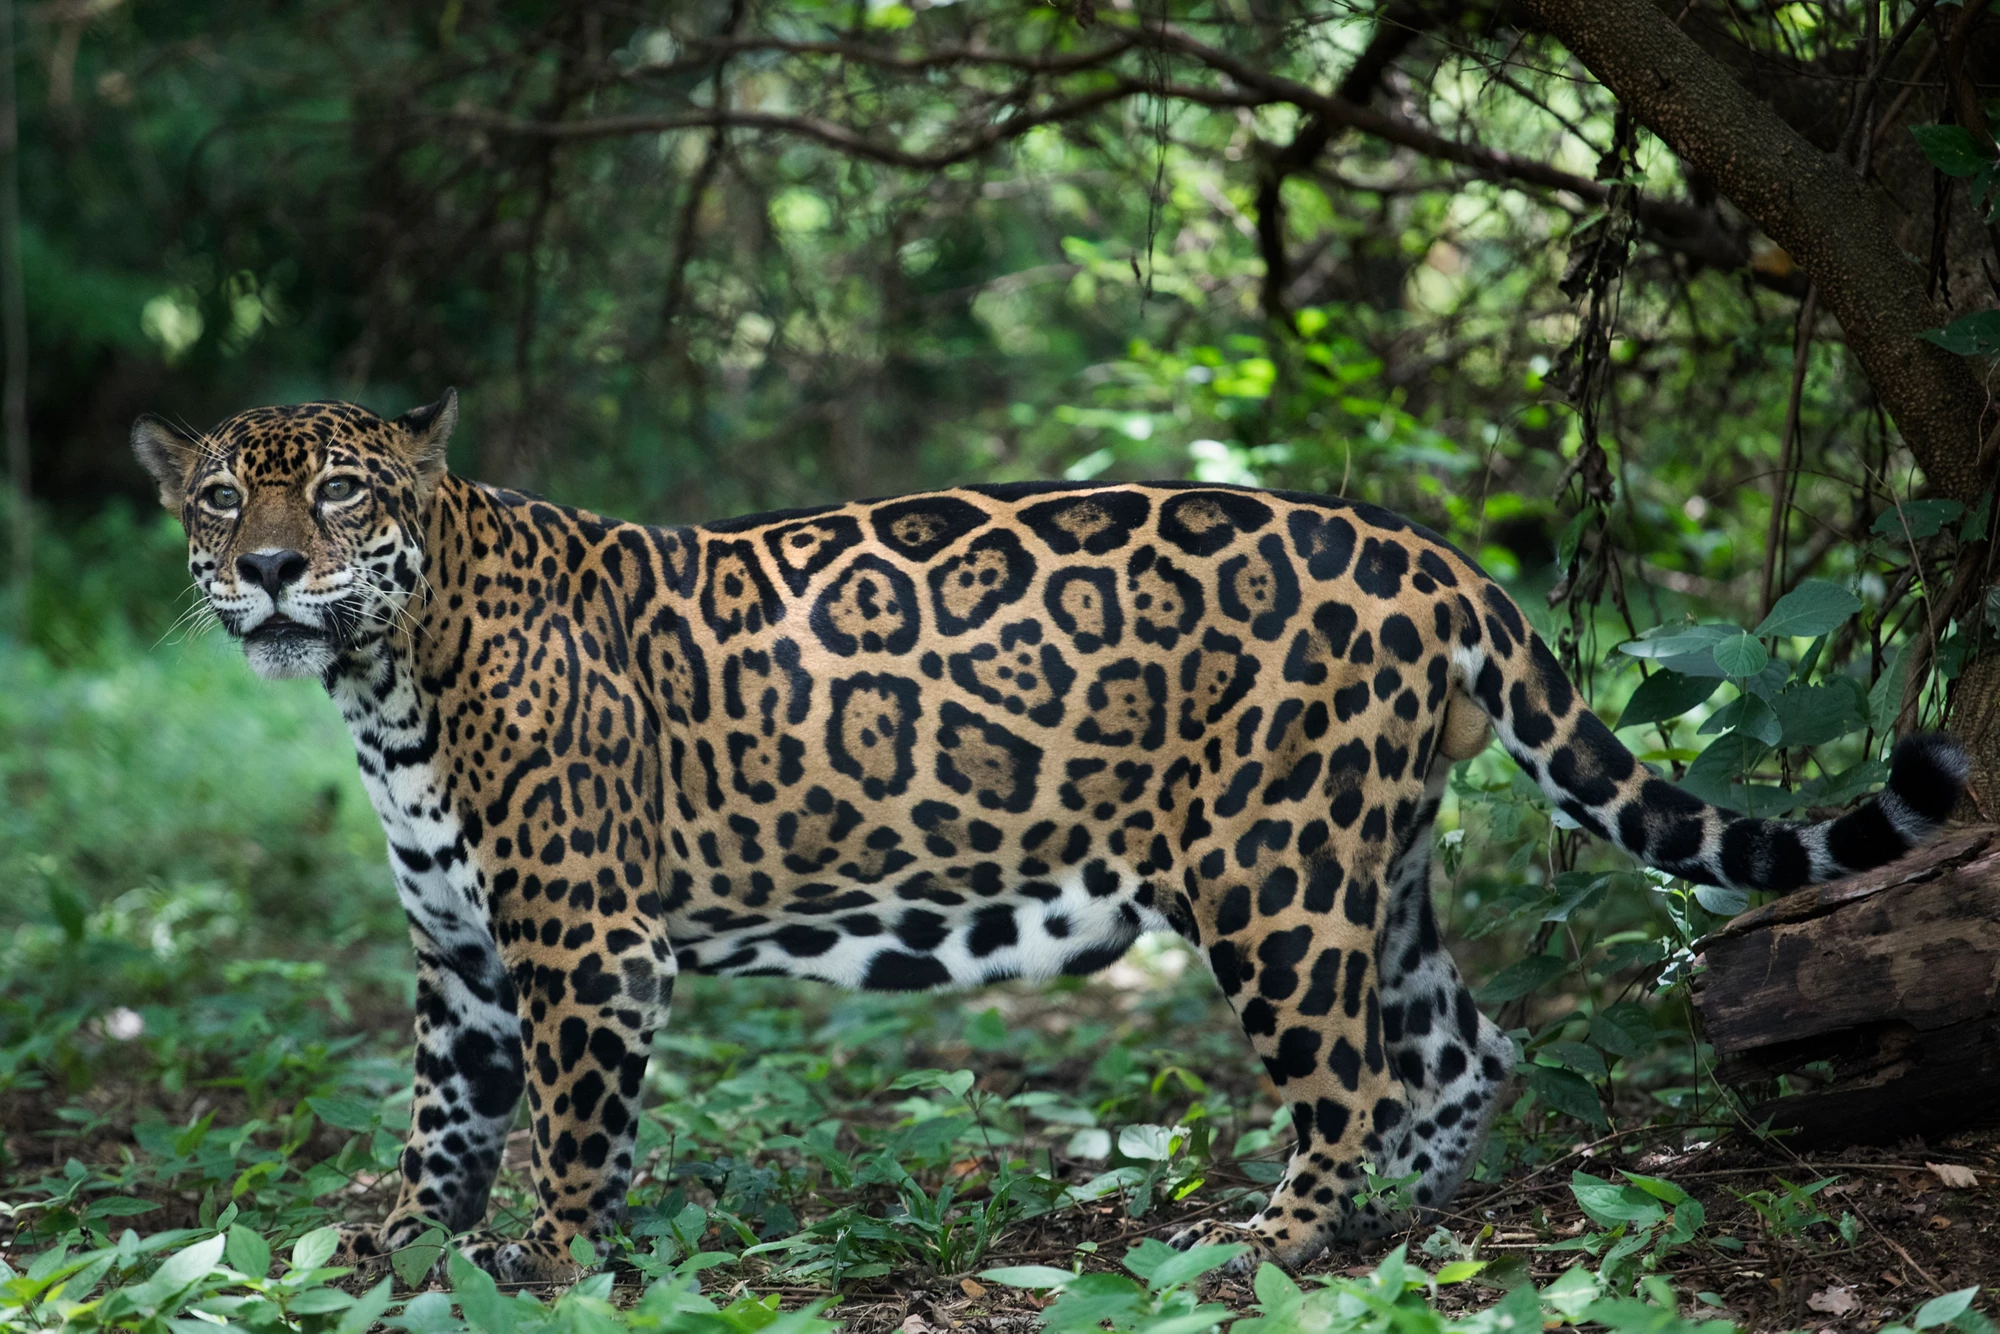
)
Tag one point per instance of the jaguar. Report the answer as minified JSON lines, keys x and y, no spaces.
{"x":930,"y":741}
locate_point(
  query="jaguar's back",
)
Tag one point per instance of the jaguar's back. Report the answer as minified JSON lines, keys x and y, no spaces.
{"x":900,"y":744}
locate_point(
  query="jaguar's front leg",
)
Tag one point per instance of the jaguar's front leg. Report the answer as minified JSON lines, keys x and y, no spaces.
{"x":468,"y":1084}
{"x":594,"y":975}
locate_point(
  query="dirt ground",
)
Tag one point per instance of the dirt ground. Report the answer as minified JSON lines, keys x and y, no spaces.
{"x":1916,"y":1237}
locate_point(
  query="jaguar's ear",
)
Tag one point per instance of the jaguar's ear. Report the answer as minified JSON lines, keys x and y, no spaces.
{"x":426,"y":432}
{"x":169,"y":454}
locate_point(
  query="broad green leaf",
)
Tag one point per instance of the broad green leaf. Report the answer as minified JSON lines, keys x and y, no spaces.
{"x":1678,"y":641}
{"x":319,"y":1301}
{"x":1570,"y":1094}
{"x":1657,"y":1187}
{"x":345,"y":1113}
{"x":1741,"y":655}
{"x":1624,"y":1029}
{"x":1943,"y":1310}
{"x":315,"y":1248}
{"x":184,"y":1267}
{"x":367,"y":1309}
{"x":479,"y":1298}
{"x":1747,"y":715}
{"x":1952,"y":149}
{"x":1458,"y":1271}
{"x":1610,"y":1203}
{"x":1152,"y":1144}
{"x":1916,"y":518}
{"x":1521,"y":977}
{"x":954,"y":1082}
{"x":1813,"y":608}
{"x":1665,"y":695}
{"x":1885,"y":697}
{"x":248,"y":1252}
{"x":1028,"y":1276}
{"x":1976,"y":335}
{"x":414,"y":1262}
{"x":1185,"y":1266}
{"x":1815,"y":715}
{"x":1715,"y":773}
{"x":1722,"y":900}
{"x":1585,"y":1061}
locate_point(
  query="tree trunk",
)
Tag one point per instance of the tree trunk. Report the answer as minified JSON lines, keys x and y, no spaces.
{"x":1882,"y":989}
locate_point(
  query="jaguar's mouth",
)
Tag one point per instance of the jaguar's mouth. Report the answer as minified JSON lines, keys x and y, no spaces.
{"x":282,"y":629}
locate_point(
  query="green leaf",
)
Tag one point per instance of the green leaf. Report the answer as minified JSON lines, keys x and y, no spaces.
{"x":1570,"y":1094}
{"x":1624,"y":1029}
{"x":1585,"y":1061}
{"x":1151,"y":1144}
{"x":367,"y":1309}
{"x":1716,"y":771}
{"x":248,"y":1252}
{"x":1674,"y":642}
{"x":1665,"y":695}
{"x":1976,"y":335}
{"x":1748,"y":715}
{"x":1722,"y":900}
{"x":581,"y":1251}
{"x":1610,"y":1203}
{"x":954,"y":1082}
{"x":1815,"y":607}
{"x":1458,"y":1271}
{"x":319,"y":1301}
{"x":1916,"y":519}
{"x":1943,"y":1310}
{"x":1521,"y":977}
{"x":1571,"y":539}
{"x":184,"y":1267}
{"x":71,"y":913}
{"x":1185,"y":1266}
{"x":315,"y":1248}
{"x":1885,"y":697}
{"x":414,"y":1262}
{"x":479,"y":1298}
{"x":1815,"y":715}
{"x":345,"y":1113}
{"x":1952,"y":149}
{"x":1028,"y":1276}
{"x":1657,"y":1187}
{"x":1741,"y":655}
{"x":1843,"y":787}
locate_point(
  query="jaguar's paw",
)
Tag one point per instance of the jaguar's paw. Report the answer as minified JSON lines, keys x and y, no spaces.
{"x":1218,"y":1233}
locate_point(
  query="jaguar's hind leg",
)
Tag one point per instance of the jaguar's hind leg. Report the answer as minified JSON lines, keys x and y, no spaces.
{"x":1294,"y":950}
{"x":1452,"y":1060}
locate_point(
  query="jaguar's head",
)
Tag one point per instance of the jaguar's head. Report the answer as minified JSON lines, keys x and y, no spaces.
{"x":305,"y":524}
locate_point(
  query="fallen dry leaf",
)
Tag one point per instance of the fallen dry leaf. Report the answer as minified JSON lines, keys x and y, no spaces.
{"x":1954,"y":1176}
{"x":1940,"y":1222}
{"x":916,"y":1324}
{"x":1836,"y":1300}
{"x":971,"y":1288}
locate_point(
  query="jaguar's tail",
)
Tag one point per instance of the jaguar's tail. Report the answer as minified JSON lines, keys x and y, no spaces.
{"x":1507,"y":669}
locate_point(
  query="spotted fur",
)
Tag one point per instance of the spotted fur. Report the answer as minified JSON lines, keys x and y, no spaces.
{"x":939,"y":740}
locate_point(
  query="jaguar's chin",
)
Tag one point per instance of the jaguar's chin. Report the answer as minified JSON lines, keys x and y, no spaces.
{"x":282,"y":649}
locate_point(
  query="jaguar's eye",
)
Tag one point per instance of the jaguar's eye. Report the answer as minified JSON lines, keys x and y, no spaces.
{"x":222,"y":497}
{"x":339,"y":488}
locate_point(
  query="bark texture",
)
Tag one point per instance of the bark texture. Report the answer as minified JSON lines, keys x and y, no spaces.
{"x":1889,"y":980}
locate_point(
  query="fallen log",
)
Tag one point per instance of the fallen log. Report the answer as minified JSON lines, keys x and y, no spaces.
{"x":1866,"y":1010}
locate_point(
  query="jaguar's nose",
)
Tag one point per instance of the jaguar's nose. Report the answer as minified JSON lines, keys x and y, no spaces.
{"x":271,"y":570}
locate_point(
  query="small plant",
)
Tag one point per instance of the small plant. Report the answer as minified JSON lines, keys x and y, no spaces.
{"x":1640,"y":1222}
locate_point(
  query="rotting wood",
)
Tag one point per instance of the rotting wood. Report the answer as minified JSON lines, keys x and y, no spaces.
{"x":1877,"y":997}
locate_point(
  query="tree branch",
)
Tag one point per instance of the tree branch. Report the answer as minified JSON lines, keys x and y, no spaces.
{"x":1808,"y":202}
